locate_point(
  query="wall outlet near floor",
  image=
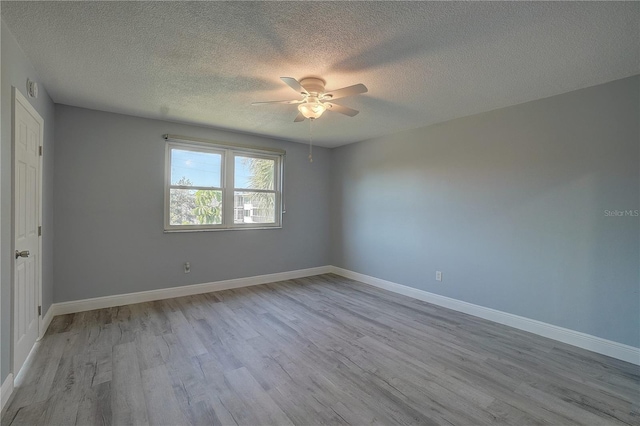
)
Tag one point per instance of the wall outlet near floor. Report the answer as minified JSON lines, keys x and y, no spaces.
{"x":187,"y":267}
{"x":438,"y":275}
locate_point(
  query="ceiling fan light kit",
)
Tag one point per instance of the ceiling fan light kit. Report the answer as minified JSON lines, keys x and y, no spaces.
{"x":312,"y":108}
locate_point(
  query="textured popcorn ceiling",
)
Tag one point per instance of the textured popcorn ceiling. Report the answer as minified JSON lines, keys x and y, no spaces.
{"x":205,"y":62}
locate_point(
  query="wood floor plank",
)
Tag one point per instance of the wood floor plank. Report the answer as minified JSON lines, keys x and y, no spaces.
{"x":127,"y":392}
{"x":28,"y":415}
{"x":95,"y":406}
{"x":192,"y":384}
{"x":188,"y":378}
{"x":241,"y":411}
{"x":566,"y":408}
{"x":592,"y":399}
{"x":250,"y":391}
{"x":315,"y":350}
{"x":512,"y":416}
{"x":261,"y":366}
{"x":162,"y":404}
{"x":61,"y":410}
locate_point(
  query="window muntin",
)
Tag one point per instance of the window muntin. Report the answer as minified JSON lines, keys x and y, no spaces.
{"x":214,"y":188}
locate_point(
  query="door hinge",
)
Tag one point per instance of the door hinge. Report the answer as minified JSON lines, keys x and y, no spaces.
{"x":40,"y":150}
{"x":39,"y":311}
{"x":39,"y":231}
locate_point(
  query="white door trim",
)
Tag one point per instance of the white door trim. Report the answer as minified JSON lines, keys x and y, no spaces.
{"x":18,"y":97}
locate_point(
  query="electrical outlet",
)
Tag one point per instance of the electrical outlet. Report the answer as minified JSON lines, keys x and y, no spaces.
{"x":438,"y":275}
{"x":187,"y":267}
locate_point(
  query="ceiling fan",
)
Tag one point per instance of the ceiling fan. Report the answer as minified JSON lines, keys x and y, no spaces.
{"x":315,"y":100}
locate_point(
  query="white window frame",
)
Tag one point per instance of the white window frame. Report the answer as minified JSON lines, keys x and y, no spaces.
{"x":228,"y":153}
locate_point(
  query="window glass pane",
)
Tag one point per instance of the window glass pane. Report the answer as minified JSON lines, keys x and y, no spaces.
{"x":194,"y":168}
{"x":254,"y":173}
{"x":254,"y":207}
{"x":195,"y":207}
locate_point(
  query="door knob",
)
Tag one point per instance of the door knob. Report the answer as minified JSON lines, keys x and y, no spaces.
{"x":23,"y":253}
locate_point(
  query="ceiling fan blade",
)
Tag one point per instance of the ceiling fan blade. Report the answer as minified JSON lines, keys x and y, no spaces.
{"x":295,"y":85}
{"x":356,"y":89}
{"x":341,"y":109}
{"x":299,"y":117}
{"x":276,"y":102}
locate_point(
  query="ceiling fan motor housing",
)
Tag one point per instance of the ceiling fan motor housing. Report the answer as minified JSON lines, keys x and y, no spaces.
{"x":313,"y":85}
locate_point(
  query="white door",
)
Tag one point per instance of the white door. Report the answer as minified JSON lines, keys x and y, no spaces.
{"x":27,"y":142}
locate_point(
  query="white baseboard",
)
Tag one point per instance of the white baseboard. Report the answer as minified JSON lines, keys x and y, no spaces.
{"x":6,"y":390}
{"x":7,"y":386}
{"x":188,"y":290}
{"x":575,"y":338}
{"x":45,"y":321}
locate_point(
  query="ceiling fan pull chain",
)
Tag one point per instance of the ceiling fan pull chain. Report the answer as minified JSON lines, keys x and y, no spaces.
{"x":310,"y":142}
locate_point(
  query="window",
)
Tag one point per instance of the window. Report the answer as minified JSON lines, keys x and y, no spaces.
{"x":215,"y":187}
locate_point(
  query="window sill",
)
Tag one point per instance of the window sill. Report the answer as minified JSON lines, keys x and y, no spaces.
{"x":173,"y":231}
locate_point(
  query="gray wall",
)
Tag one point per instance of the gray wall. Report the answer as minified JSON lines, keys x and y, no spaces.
{"x":109,"y":185}
{"x":15,"y":70}
{"x":509,"y":205}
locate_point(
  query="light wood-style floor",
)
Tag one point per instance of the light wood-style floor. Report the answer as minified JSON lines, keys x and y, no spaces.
{"x":312,"y":351}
